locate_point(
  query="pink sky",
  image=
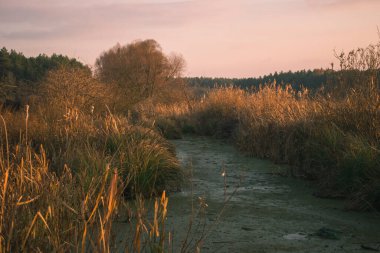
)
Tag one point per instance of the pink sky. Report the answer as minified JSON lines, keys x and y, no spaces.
{"x":218,"y":38}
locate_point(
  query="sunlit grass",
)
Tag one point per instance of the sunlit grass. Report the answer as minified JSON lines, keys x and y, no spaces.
{"x":63,"y":181}
{"x":334,"y":141}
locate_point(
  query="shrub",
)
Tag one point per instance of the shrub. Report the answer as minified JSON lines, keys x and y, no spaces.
{"x":72,"y":90}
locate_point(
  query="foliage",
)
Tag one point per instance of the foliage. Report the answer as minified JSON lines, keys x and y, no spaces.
{"x":32,"y":69}
{"x":46,"y":212}
{"x":69,"y":167}
{"x":72,"y":88}
{"x":43,"y":211}
{"x":311,"y":79}
{"x":20,"y":75}
{"x":140,"y":70}
{"x":65,"y":197}
{"x":332,"y":141}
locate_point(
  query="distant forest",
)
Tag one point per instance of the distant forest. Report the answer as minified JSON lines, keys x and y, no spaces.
{"x":311,"y":79}
{"x":19,"y":74}
{"x":15,"y":67}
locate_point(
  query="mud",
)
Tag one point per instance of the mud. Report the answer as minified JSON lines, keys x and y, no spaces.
{"x":251,"y":209}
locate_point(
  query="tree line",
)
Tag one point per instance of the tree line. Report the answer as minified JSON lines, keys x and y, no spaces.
{"x":141,"y":71}
{"x":19,"y":75}
{"x":15,"y":67}
{"x":311,"y":79}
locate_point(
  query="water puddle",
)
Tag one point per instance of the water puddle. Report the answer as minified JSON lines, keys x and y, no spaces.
{"x":295,"y":236}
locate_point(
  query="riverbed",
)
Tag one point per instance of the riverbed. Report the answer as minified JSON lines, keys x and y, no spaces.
{"x":234,"y":203}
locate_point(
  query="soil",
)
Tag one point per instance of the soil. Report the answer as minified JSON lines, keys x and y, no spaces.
{"x":234,"y":203}
{"x":252,"y":209}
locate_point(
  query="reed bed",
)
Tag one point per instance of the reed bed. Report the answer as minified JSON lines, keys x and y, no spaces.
{"x":45,"y":212}
{"x":66,"y":177}
{"x":332,"y":141}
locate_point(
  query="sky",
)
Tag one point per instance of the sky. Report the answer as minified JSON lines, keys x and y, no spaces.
{"x":217,"y":38}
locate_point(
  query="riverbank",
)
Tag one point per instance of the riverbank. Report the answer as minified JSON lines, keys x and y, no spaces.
{"x":266,"y":212}
{"x":332,"y":141}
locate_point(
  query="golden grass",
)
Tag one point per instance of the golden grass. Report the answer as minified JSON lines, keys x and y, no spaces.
{"x":43,"y":211}
{"x":64,"y":178}
{"x":334,"y":141}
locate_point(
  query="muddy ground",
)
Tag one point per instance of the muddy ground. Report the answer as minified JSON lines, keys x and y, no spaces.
{"x":266,"y":212}
{"x":253,"y":209}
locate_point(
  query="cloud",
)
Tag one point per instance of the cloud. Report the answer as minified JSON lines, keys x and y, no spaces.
{"x":219,"y":37}
{"x":18,"y":18}
{"x":335,"y":4}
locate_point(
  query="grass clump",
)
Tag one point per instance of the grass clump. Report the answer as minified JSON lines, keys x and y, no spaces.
{"x":146,"y":159}
{"x":217,"y":115}
{"x":44,"y":211}
{"x":48,"y":212}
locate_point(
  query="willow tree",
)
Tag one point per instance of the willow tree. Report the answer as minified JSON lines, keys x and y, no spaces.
{"x":140,"y":70}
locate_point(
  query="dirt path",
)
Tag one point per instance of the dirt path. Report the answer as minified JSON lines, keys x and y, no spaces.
{"x":267,"y":213}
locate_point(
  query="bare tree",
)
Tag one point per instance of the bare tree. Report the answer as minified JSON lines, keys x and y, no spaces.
{"x":72,"y":88}
{"x":140,"y":69}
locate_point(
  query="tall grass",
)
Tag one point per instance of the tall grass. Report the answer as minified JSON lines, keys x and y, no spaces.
{"x":67,"y":171}
{"x":43,"y":211}
{"x":333,"y":141}
{"x":65,"y":198}
{"x":86,"y":143}
{"x":331,"y":136}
